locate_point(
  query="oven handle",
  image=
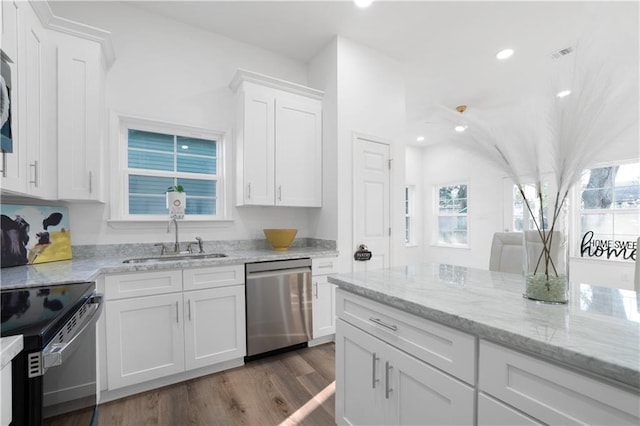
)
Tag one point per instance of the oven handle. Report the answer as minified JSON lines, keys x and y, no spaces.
{"x":54,"y":354}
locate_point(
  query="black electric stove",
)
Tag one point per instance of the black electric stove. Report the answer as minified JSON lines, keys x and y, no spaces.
{"x":58,"y":327}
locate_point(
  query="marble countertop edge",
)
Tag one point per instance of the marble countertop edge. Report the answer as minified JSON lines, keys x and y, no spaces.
{"x":609,"y":368}
{"x":10,"y":346}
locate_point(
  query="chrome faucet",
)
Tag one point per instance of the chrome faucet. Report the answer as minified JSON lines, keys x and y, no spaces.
{"x":176,"y":247}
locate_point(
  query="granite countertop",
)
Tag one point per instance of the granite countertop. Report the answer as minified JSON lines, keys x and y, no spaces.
{"x":597,"y":331}
{"x":9,"y":347}
{"x":88,"y":269}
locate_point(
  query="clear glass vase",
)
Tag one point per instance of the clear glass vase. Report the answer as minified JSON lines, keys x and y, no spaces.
{"x":545,"y":263}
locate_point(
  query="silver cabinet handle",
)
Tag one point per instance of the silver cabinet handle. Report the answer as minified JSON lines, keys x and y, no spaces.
{"x":189,"y":308}
{"x":177,"y":318}
{"x":374,"y":358}
{"x":249,"y":191}
{"x":316,"y":285}
{"x":4,"y":164}
{"x":35,"y":173}
{"x":387,"y":388}
{"x":90,"y":182}
{"x":279,"y":192}
{"x":384,"y":324}
{"x":326,"y":265}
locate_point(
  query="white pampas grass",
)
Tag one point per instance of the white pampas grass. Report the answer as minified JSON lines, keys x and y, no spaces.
{"x":564,"y":135}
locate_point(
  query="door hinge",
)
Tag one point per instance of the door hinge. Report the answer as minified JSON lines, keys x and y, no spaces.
{"x":389,"y":163}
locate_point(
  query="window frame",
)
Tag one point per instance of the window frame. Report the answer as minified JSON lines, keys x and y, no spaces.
{"x":578,"y":211}
{"x":410,"y":215}
{"x":120,"y":125}
{"x":437,"y":215}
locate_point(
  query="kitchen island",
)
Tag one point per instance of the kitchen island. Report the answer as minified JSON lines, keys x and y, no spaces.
{"x":472,"y":330}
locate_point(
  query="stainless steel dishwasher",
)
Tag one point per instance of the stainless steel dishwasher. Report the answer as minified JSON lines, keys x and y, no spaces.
{"x":279,"y":311}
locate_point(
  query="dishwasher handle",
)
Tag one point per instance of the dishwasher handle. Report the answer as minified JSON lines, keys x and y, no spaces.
{"x":277,"y":273}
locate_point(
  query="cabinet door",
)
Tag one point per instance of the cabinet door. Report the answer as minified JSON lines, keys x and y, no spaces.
{"x":256,"y":151}
{"x":420,"y":394}
{"x":79,"y":112}
{"x":214,"y":326}
{"x":10,"y":29}
{"x":37,"y":102}
{"x":298,"y":151}
{"x":360,"y":398}
{"x":145,"y":339}
{"x":324,"y":307}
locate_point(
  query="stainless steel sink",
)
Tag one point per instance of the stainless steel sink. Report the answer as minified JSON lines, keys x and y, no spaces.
{"x":174,"y":257}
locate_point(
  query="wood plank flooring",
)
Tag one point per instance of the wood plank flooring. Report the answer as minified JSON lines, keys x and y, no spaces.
{"x":294,"y":388}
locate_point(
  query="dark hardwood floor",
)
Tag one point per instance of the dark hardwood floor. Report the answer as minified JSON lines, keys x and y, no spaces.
{"x":294,"y":388}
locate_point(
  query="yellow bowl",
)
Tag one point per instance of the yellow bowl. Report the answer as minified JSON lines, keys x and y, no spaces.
{"x":280,"y":239}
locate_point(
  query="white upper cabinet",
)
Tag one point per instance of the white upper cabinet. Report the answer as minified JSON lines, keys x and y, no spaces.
{"x":80,"y":113}
{"x":278,"y":142}
{"x":36,"y":106}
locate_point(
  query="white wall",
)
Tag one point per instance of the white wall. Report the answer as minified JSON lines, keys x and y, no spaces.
{"x":168,"y":71}
{"x":371,"y":101}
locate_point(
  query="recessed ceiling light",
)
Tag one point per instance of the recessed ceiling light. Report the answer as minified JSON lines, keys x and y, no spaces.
{"x":504,"y":54}
{"x":363,"y":3}
{"x":185,"y":147}
{"x":460,"y":128}
{"x":420,"y":138}
{"x":563,"y":93}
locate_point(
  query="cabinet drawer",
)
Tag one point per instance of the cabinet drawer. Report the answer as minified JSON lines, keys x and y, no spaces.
{"x":324,"y":265}
{"x":494,"y":413}
{"x":443,"y":347}
{"x":551,"y":393}
{"x":215,"y":276}
{"x":142,"y":284}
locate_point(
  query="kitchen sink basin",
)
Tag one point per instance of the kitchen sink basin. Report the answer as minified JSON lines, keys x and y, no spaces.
{"x":174,"y":257}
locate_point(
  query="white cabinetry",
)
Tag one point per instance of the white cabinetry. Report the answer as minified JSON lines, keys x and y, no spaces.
{"x":324,"y":297}
{"x":36,"y":91}
{"x":145,"y":339}
{"x":382,"y":370}
{"x":80,"y":113}
{"x":154,"y":329}
{"x":279,"y":142}
{"x":552,"y":394}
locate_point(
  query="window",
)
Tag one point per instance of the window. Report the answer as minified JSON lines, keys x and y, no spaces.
{"x":452,"y":214}
{"x":521,"y":217}
{"x":408,"y":215}
{"x":609,"y":208}
{"x":157,"y":156}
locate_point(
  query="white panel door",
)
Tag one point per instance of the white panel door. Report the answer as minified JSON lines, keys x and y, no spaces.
{"x":145,"y":339}
{"x":298,"y":151}
{"x":372,"y":202}
{"x":258,"y":161}
{"x":214,"y":326}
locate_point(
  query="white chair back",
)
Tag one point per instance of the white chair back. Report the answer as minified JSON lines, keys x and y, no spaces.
{"x":506,"y":252}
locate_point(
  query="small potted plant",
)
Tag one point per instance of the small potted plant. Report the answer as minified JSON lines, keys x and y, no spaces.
{"x":176,"y":201}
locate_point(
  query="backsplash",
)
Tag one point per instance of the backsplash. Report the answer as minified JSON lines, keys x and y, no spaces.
{"x":142,"y":250}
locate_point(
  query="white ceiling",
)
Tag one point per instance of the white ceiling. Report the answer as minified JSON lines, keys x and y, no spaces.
{"x":448,"y":46}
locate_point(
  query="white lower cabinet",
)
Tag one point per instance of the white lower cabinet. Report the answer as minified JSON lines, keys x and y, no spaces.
{"x":159,"y":335}
{"x":324,"y":297}
{"x":145,"y":339}
{"x":494,"y":413}
{"x":379,"y":384}
{"x":324,"y":307}
{"x":215,"y":326}
{"x":550,"y":393}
